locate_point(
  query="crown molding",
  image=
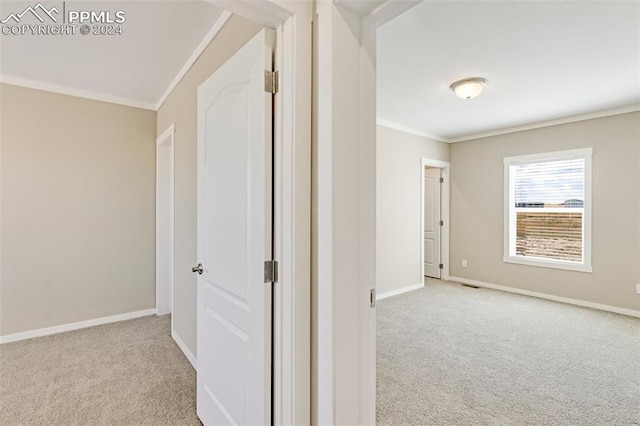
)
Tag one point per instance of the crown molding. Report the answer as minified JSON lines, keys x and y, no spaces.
{"x":401,"y":128}
{"x":71,"y":91}
{"x":213,"y":32}
{"x":549,"y":123}
{"x":103,"y":97}
{"x":507,"y":130}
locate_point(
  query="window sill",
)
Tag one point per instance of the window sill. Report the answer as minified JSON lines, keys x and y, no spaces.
{"x":548,"y":264}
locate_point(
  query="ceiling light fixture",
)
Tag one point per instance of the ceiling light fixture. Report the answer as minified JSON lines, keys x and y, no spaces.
{"x":469,"y":87}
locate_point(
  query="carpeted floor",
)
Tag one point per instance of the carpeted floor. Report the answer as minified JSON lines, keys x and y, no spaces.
{"x":127,"y":373}
{"x":453,"y":355}
{"x":447,"y":355}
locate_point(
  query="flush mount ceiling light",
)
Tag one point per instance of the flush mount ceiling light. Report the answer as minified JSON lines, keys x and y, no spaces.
{"x":469,"y":87}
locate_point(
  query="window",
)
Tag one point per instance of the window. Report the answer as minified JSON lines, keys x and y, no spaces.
{"x":548,"y":210}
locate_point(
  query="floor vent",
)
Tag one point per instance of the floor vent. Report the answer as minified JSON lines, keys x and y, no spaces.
{"x":469,"y":285}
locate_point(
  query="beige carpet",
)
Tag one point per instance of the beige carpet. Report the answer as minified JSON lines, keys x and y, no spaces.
{"x":127,"y":373}
{"x":453,"y":355}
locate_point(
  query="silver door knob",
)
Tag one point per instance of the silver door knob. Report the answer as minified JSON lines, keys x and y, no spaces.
{"x":198,"y":269}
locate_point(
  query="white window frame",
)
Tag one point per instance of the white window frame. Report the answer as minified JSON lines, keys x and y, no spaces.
{"x":509,"y":210}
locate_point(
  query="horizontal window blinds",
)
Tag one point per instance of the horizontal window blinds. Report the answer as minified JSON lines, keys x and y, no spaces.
{"x":550,"y":184}
{"x":548,"y":202}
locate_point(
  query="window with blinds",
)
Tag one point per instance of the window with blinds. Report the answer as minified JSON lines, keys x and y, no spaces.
{"x":547,"y":209}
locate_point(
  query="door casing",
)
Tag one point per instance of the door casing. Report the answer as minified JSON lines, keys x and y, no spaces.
{"x":165,"y":222}
{"x":344,"y":382}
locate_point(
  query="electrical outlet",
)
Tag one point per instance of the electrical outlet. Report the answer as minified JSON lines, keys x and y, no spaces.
{"x":637,"y":288}
{"x":465,"y":264}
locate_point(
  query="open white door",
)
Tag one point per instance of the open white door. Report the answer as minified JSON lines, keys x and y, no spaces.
{"x":235,"y":239}
{"x":431,"y":218}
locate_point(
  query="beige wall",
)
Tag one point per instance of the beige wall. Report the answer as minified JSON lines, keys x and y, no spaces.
{"x":398,"y":200}
{"x":181,"y":108}
{"x":78,"y":209}
{"x":477,"y":210}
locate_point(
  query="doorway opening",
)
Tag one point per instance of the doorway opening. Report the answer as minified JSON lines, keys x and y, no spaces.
{"x":165,"y":222}
{"x":412,"y":237}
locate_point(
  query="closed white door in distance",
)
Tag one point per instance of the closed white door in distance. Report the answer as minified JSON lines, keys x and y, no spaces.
{"x":431,"y":219}
{"x":235,"y":239}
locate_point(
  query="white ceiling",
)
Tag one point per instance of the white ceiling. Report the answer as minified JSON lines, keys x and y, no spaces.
{"x":360,"y":7}
{"x":544,"y":60}
{"x":138,"y":66}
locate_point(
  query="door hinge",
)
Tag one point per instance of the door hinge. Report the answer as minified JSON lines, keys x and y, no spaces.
{"x":442,"y":223}
{"x":271,"y":271}
{"x":441,"y":180}
{"x":271,"y":82}
{"x":372,"y":298}
{"x":440,"y":266}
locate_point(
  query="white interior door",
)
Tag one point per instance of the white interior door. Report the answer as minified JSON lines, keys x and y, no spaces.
{"x":431,"y":218}
{"x":235,"y":239}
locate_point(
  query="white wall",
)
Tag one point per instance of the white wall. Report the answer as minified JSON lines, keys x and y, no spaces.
{"x":398,"y":206}
{"x":339,"y":300}
{"x":477,"y":206}
{"x":78,"y":209}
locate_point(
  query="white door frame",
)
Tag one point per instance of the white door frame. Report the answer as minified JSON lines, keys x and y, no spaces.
{"x":344,"y":384}
{"x":367,"y":117}
{"x":292,"y":206}
{"x":164,"y":288}
{"x":444,"y":167}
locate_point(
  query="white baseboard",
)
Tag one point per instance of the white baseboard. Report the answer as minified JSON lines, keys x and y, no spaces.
{"x":399,"y":291}
{"x":583,"y":303}
{"x":73,"y":326}
{"x":185,"y":350}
